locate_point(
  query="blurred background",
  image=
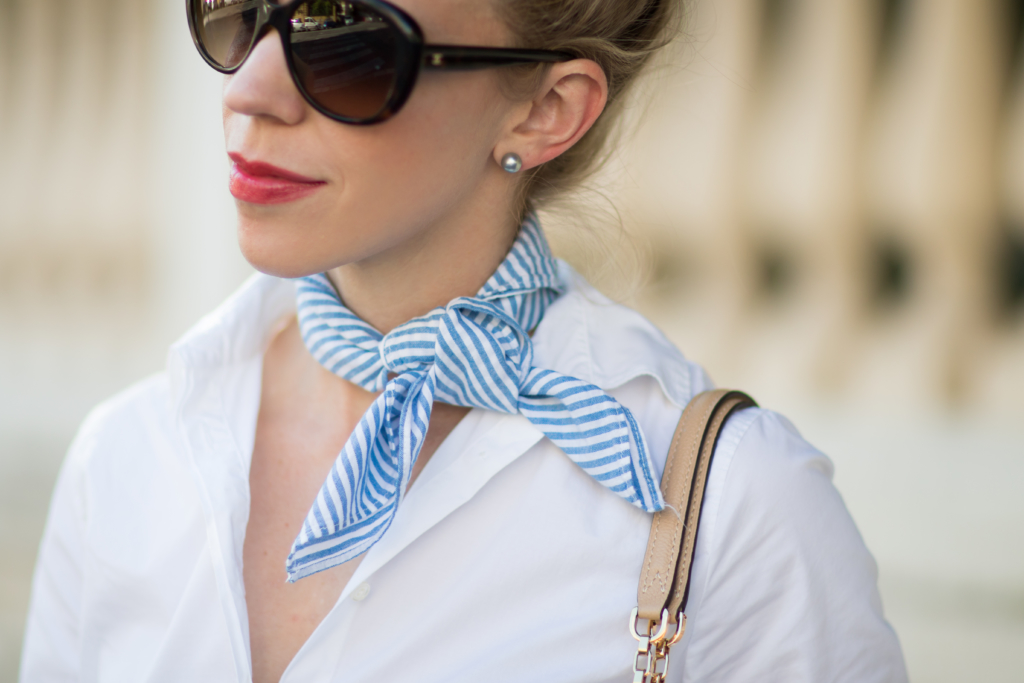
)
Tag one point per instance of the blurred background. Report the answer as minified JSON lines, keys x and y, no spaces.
{"x":822,"y":201}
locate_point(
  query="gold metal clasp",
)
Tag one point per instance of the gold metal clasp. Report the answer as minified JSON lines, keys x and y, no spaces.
{"x":651,"y":662}
{"x":680,"y":630}
{"x":649,"y":644}
{"x":634,"y":623}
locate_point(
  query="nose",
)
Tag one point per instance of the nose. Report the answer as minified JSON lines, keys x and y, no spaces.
{"x":263,"y":87}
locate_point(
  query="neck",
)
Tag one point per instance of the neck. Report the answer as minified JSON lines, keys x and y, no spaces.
{"x":451,"y":257}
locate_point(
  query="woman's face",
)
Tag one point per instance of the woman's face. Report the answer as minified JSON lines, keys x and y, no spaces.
{"x":373,"y":188}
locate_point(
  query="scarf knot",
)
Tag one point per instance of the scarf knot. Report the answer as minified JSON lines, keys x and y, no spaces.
{"x":474,"y":352}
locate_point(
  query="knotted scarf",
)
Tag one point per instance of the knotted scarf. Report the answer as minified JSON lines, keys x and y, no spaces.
{"x":474,"y":352}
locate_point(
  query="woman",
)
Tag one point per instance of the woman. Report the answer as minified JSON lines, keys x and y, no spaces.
{"x":501,"y":426}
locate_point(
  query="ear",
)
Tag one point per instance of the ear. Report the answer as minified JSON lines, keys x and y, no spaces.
{"x":565,"y":106}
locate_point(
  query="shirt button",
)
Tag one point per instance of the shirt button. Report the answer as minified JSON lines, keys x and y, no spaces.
{"x":361,"y":592}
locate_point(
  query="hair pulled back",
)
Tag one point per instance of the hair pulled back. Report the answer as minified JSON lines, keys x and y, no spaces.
{"x":620,"y":36}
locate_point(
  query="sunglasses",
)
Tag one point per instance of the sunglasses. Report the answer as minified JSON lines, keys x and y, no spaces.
{"x":355,"y":61}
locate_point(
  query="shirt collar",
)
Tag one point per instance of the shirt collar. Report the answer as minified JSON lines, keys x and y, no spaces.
{"x":586,"y":335}
{"x":241,"y":327}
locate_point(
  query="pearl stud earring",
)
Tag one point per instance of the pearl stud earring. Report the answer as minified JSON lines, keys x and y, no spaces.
{"x":512,"y":162}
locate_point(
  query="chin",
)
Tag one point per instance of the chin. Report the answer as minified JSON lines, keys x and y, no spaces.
{"x":277,"y":254}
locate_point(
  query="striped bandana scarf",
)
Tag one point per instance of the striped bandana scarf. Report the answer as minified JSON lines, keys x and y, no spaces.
{"x":474,"y":352}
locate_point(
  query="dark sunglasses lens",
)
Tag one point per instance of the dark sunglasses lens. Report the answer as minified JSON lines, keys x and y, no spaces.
{"x":224,"y":28}
{"x":345,"y":56}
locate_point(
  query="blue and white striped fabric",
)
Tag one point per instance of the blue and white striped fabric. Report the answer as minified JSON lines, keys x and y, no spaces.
{"x":474,"y":352}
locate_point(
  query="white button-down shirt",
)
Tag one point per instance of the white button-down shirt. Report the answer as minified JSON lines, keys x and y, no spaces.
{"x":505,"y":562}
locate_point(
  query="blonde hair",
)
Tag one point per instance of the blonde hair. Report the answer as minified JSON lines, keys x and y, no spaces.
{"x":620,"y":36}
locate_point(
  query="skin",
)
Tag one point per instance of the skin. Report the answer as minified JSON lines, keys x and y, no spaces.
{"x":414,"y":212}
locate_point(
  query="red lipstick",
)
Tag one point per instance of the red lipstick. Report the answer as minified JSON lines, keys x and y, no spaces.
{"x":259,"y":183}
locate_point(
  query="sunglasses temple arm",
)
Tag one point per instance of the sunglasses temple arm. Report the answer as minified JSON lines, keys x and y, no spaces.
{"x":469,"y":58}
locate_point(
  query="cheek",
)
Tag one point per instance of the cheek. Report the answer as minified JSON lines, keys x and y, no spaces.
{"x":388,"y":182}
{"x":446,"y":131}
{"x":411,"y":169}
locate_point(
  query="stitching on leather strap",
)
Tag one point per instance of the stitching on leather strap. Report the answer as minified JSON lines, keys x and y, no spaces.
{"x":700,"y":479}
{"x":666,"y":476}
{"x":680,"y":527}
{"x":726,"y":408}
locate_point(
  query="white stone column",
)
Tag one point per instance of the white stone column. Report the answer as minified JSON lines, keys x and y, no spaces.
{"x":931,"y":184}
{"x":677,"y":172}
{"x":801,"y":197}
{"x":1001,"y":365}
{"x":73,"y":253}
{"x":116,"y":227}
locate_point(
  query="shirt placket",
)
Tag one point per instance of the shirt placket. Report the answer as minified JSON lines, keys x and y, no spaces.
{"x":222,"y":481}
{"x":456,"y":477}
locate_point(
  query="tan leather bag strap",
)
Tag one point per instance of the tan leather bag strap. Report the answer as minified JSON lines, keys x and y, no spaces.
{"x":665,"y":578}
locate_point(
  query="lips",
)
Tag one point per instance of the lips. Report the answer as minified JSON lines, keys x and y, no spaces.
{"x":258,"y":183}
